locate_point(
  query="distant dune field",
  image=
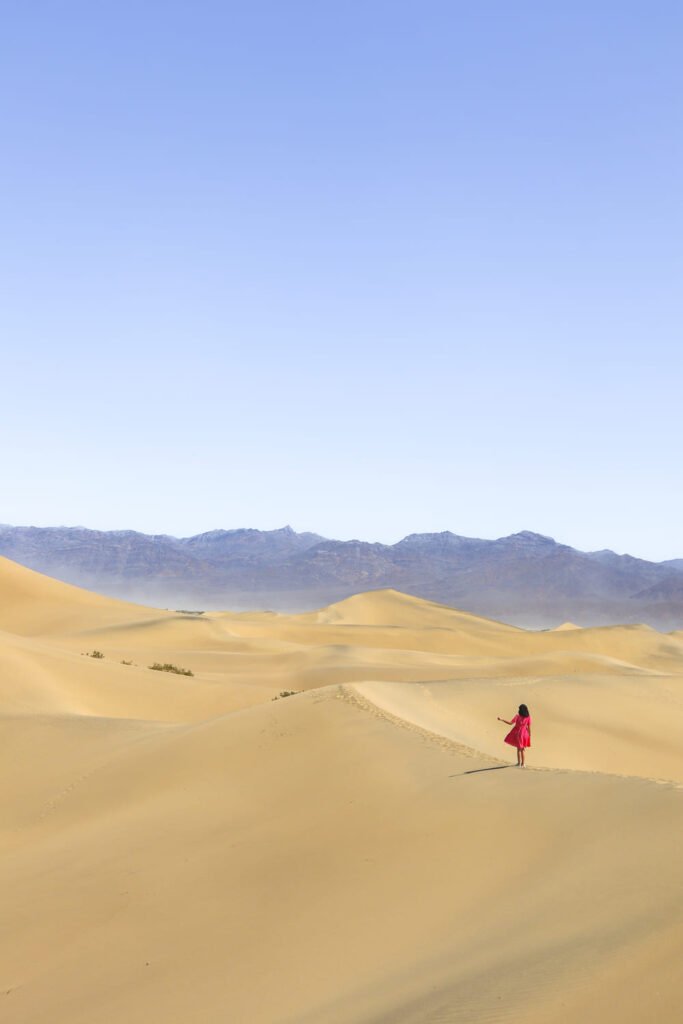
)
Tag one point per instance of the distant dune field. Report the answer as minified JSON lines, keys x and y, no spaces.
{"x":180,"y":848}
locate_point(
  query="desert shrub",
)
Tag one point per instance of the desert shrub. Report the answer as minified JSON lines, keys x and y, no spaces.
{"x":95,"y":654}
{"x":285,"y":693}
{"x":167,"y":667}
{"x":187,"y":611}
{"x":124,"y":662}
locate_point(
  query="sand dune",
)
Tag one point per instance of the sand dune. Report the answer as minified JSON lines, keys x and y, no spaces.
{"x":183,"y":848}
{"x":34,"y":605}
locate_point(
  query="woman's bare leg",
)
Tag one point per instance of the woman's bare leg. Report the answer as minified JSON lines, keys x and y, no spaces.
{"x":521,"y":753}
{"x":519,"y":756}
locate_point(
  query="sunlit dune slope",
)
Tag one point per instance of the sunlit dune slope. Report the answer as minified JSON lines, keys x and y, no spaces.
{"x":391,"y":607}
{"x":32,"y":604}
{"x":625,"y":725}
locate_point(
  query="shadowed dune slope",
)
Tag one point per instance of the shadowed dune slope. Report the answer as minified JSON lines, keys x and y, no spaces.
{"x":179,"y":848}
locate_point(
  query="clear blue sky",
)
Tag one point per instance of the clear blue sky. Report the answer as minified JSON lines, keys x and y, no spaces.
{"x":367,"y":268}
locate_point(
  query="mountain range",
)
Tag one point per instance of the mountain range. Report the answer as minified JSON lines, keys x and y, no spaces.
{"x":525,"y":579}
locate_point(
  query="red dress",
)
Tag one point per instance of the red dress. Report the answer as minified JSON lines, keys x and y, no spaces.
{"x":520,"y":734}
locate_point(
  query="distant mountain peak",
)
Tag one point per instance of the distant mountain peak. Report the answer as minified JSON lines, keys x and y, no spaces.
{"x":442,"y":539}
{"x":529,"y":537}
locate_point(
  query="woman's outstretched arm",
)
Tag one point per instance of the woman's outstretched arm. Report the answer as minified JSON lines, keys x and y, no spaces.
{"x":506,"y":721}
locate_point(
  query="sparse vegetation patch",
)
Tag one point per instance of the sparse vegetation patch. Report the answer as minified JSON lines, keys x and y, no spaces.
{"x":94,"y":654}
{"x":168,"y":667}
{"x":286,"y":693}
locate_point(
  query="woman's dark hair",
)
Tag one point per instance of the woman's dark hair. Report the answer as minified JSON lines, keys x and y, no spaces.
{"x":524,"y":711}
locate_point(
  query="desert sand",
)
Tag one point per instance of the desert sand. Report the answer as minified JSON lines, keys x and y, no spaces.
{"x":185,"y":848}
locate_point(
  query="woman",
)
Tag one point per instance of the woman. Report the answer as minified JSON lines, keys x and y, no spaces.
{"x":520,"y":734}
